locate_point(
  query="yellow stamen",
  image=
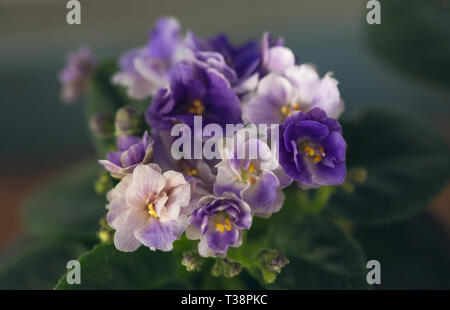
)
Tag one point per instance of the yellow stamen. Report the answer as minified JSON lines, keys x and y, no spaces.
{"x":317,"y":158}
{"x":309,"y":150}
{"x":192,"y":172}
{"x":152,"y":211}
{"x":251,"y":180}
{"x":197,"y":108}
{"x":220,"y":227}
{"x":251,"y":168}
{"x":228,"y":225}
{"x":321,"y":150}
{"x":285,"y":110}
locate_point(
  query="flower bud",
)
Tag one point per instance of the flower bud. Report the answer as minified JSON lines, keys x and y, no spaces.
{"x":226,"y":268}
{"x":105,"y":234}
{"x":357,"y":175}
{"x":272,"y":261}
{"x":192,"y":261}
{"x":103,"y":184}
{"x":128,"y":121}
{"x":101,"y":125}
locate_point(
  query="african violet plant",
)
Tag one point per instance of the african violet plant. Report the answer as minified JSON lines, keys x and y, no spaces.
{"x":254,"y":210}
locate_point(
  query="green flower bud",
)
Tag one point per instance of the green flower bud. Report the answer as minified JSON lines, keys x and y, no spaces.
{"x":104,"y":183}
{"x":101,"y":124}
{"x":226,"y":268}
{"x":106,"y":233}
{"x":357,"y":175}
{"x":192,"y":261}
{"x":272,"y":262}
{"x":128,"y":121}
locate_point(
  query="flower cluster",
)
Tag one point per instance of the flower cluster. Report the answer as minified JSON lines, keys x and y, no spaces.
{"x":183,"y":76}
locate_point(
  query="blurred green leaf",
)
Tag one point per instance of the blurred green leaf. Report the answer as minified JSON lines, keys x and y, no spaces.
{"x":407,"y":162}
{"x":38,"y":265}
{"x":107,"y":268}
{"x":321,"y":255}
{"x":67,"y":207}
{"x":413,"y":255}
{"x":414,"y":37}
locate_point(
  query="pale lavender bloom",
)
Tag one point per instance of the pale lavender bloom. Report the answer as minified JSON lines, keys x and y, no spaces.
{"x":275,"y":58}
{"x":256,"y":178}
{"x":133,"y":151}
{"x":149,"y":208}
{"x":75,"y":75}
{"x":145,"y":70}
{"x":218,"y":222}
{"x":297,"y":88}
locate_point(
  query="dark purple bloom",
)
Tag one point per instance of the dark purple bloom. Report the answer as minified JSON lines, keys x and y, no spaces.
{"x":76,"y":73}
{"x":312,"y":149}
{"x":196,"y":88}
{"x":132,"y":152}
{"x":251,"y":60}
{"x":218,"y":223}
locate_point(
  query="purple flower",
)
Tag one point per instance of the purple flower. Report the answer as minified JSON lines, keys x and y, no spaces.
{"x":251,"y":60}
{"x":144,"y":70}
{"x":148,"y":208}
{"x":218,"y":223}
{"x":256,"y":177}
{"x":76,"y":73}
{"x":297,"y":88}
{"x":196,"y":88}
{"x":133,"y":151}
{"x":312,"y":149}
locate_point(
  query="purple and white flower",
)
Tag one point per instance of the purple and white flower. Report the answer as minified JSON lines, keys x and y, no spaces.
{"x":252,"y":172}
{"x":312,"y":149}
{"x":196,"y":88}
{"x":218,"y":222}
{"x":133,"y":151}
{"x":251,"y":60}
{"x":149,"y":208}
{"x":297,"y":88}
{"x":144,"y":70}
{"x":75,"y":76}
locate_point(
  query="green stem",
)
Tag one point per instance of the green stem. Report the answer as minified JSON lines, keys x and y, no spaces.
{"x":316,"y":205}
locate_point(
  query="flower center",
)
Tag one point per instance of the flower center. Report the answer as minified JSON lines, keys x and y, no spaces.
{"x":248,"y":175}
{"x":196,"y":108}
{"x":187,"y":168}
{"x":152,"y":211}
{"x":225,"y":225}
{"x":287,"y":109}
{"x":315,"y":154}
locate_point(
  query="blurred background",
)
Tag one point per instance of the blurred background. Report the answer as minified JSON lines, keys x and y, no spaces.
{"x":42,"y":137}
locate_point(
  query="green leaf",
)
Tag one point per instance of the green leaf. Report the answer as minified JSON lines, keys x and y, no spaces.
{"x":107,"y":268}
{"x":38,"y":265}
{"x":413,"y":37}
{"x":413,"y":255}
{"x":67,"y":207}
{"x":407,"y":162}
{"x":321,"y":255}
